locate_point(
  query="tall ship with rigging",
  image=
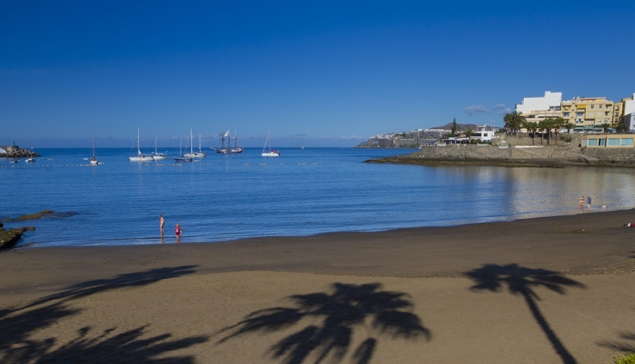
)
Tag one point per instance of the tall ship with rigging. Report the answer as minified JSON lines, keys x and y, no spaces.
{"x":227,"y":148}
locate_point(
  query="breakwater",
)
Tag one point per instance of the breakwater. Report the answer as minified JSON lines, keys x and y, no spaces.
{"x":15,"y":151}
{"x":518,"y":155}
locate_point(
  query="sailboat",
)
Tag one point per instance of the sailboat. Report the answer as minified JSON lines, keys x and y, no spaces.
{"x":93,"y":160}
{"x":156,"y":155}
{"x":192,"y":153}
{"x":267,"y":151}
{"x":181,"y":158}
{"x":30,"y":159}
{"x":140,"y":157}
{"x":228,"y":149}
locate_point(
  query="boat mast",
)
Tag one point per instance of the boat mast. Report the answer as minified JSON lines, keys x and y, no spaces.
{"x":191,"y":151}
{"x":199,"y":144}
{"x":138,"y":145}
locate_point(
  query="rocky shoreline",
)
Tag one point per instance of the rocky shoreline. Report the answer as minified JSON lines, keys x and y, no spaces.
{"x":515,"y":156}
{"x":8,"y":238}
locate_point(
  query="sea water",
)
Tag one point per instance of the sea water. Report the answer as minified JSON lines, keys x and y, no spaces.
{"x":302,"y":192}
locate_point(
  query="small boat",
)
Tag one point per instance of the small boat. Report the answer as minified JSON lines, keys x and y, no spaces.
{"x":156,"y":155}
{"x":267,"y":151}
{"x":228,"y":149}
{"x":93,"y":160}
{"x":14,"y":161}
{"x":192,"y":153}
{"x":140,"y":157}
{"x":181,"y":158}
{"x":30,"y":159}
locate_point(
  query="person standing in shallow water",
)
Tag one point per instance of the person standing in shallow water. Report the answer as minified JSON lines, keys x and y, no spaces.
{"x":177,"y":232}
{"x":161,"y":223}
{"x":588,"y":203}
{"x":581,"y":202}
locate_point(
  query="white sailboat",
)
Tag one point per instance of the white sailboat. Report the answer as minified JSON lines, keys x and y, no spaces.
{"x":30,"y":159}
{"x":93,"y":160}
{"x":267,"y":151}
{"x":156,"y":155}
{"x":140,"y":157}
{"x":181,"y":158}
{"x":192,"y":153}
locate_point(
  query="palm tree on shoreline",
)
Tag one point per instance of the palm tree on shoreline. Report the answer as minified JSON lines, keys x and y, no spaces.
{"x":533,"y":127}
{"x":513,"y":121}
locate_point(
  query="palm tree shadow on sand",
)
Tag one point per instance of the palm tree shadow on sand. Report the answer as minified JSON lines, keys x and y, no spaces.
{"x":626,"y":345}
{"x":522,"y":281}
{"x":336,"y":315}
{"x":18,"y":344}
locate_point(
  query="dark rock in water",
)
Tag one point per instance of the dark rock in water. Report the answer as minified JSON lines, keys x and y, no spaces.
{"x":41,"y":214}
{"x":35,"y":216}
{"x":8,"y":238}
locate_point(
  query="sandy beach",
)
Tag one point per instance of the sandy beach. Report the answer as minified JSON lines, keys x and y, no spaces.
{"x":546,"y":290}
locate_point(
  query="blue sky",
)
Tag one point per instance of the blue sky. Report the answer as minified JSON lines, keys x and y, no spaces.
{"x":337,"y":72}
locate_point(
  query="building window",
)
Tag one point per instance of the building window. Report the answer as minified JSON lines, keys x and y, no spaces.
{"x":627,"y":142}
{"x":614,"y":142}
{"x":606,"y":120}
{"x":592,"y":106}
{"x":579,"y":114}
{"x":602,"y":142}
{"x":593,"y":142}
{"x":600,"y":106}
{"x":566,"y":114}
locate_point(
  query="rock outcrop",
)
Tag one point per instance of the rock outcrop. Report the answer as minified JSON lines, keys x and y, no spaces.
{"x":8,"y":238}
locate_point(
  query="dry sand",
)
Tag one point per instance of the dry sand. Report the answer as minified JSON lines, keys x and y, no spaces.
{"x":547,"y":290}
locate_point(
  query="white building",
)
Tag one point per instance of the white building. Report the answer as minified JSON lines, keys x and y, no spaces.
{"x":551,"y":101}
{"x":629,"y":113}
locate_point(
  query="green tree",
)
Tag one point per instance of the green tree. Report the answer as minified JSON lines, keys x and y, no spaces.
{"x":533,"y":127}
{"x":513,"y":121}
{"x":605,"y":126}
{"x":568,"y":126}
{"x":548,"y":124}
{"x":468,"y":132}
{"x":454,"y":128}
{"x":558,"y":123}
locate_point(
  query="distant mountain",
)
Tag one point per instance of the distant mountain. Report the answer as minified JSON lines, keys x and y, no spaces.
{"x":461,"y":127}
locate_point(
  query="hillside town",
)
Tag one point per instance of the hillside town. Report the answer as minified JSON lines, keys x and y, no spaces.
{"x":541,"y":116}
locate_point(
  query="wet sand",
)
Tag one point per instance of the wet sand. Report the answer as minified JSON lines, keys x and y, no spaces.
{"x":546,"y":290}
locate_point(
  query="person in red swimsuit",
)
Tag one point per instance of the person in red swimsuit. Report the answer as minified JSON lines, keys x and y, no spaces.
{"x":177,"y":232}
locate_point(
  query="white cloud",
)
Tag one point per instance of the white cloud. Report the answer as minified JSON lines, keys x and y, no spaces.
{"x":502,"y":109}
{"x":476,"y":109}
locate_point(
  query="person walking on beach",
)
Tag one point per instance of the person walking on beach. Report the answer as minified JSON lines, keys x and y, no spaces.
{"x":177,"y":232}
{"x":588,"y":203}
{"x":161,"y":223}
{"x":581,"y":203}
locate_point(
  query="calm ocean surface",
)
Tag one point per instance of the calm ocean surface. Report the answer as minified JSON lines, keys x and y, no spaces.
{"x":303,"y":192}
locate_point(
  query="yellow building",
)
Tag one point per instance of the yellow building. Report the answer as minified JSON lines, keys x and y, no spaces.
{"x":589,"y":111}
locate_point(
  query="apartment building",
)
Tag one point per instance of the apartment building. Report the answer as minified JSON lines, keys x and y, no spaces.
{"x":551,"y":101}
{"x":589,"y":111}
{"x":627,"y":112}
